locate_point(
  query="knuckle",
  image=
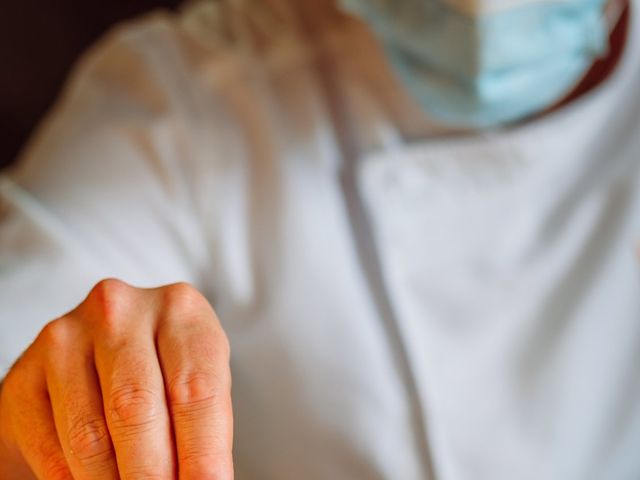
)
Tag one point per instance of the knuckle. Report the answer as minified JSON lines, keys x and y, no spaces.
{"x":89,"y":439}
{"x":133,"y":406}
{"x":108,"y":289}
{"x":111,"y":298}
{"x":192,"y":389}
{"x":56,"y":335}
{"x":202,"y":465}
{"x":183,"y":298}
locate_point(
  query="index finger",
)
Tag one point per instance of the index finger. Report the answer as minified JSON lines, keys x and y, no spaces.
{"x":194,"y":356}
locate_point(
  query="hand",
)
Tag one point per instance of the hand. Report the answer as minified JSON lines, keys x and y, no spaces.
{"x":132,"y":384}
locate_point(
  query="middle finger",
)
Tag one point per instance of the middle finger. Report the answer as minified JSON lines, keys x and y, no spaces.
{"x":135,"y":406}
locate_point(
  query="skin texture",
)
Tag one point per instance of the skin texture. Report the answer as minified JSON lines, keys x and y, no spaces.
{"x":132,"y":384}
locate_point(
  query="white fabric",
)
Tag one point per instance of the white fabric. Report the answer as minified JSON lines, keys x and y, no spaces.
{"x":474,"y":312}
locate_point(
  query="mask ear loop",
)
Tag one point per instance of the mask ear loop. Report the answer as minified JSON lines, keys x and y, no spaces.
{"x":613,"y":11}
{"x":614,"y":14}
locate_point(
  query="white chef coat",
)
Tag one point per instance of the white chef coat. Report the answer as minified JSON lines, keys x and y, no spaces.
{"x":399,"y":306}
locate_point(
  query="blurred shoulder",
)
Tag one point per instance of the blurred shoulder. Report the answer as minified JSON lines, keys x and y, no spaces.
{"x":210,"y":56}
{"x":213,"y":39}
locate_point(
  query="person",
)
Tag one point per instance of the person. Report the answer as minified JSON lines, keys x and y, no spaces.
{"x":407,"y":230}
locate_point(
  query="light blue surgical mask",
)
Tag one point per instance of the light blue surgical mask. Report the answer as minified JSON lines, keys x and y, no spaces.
{"x":482,"y":63}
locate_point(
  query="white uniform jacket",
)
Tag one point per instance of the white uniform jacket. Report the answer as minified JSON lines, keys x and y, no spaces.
{"x":402,"y":302}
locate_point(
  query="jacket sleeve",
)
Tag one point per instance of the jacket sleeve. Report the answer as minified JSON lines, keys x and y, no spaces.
{"x":103,"y":190}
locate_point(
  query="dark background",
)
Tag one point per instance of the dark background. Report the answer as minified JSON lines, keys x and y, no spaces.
{"x":39,"y":41}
